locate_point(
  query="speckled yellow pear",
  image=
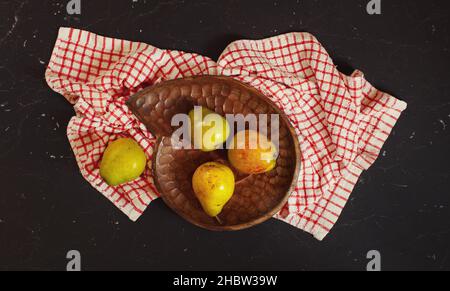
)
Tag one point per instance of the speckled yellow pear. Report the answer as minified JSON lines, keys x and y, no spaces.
{"x":213,"y":184}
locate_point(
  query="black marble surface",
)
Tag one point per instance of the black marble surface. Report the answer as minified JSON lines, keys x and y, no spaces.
{"x":400,"y":207}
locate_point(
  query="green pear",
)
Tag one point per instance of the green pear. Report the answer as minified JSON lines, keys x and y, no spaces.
{"x":123,"y":161}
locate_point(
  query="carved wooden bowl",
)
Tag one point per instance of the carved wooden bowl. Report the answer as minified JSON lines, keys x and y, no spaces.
{"x":257,"y":197}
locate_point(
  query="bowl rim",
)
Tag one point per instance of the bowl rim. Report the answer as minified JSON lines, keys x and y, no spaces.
{"x":261,"y":218}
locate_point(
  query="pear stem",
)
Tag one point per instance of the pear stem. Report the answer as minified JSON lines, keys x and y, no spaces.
{"x":246,"y":178}
{"x":218,"y":220}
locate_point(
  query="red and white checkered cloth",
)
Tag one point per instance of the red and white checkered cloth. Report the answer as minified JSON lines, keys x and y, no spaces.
{"x":341,"y":121}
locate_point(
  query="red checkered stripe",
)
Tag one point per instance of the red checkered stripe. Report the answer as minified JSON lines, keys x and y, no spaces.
{"x":342,"y":121}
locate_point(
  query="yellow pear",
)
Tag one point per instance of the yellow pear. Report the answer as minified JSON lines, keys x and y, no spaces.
{"x":209,"y":130}
{"x":123,"y":161}
{"x":213,"y":185}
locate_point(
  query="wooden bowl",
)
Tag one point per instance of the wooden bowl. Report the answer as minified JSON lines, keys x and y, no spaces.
{"x":257,"y":197}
